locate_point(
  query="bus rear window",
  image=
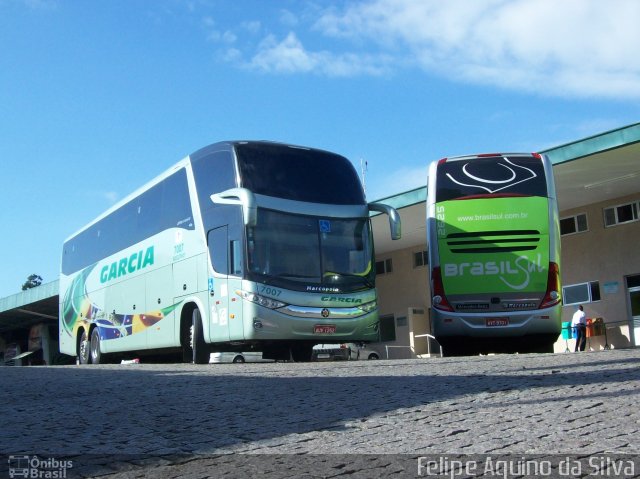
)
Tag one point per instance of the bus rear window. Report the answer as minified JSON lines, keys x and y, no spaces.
{"x":493,"y":176}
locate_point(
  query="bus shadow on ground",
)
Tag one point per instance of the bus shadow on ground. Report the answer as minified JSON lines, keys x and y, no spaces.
{"x":164,"y":411}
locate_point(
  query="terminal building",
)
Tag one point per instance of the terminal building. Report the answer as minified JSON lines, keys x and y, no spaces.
{"x":598,"y":189}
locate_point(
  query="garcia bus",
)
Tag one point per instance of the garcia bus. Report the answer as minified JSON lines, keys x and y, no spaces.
{"x":241,"y":246}
{"x":494,"y":253}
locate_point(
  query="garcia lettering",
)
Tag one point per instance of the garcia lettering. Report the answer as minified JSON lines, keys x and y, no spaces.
{"x":127,"y":265}
{"x":340,"y":299}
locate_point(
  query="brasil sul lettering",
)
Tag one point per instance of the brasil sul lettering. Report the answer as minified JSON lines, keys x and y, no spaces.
{"x":522,"y":267}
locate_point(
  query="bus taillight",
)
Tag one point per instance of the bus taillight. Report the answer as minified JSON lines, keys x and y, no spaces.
{"x":552,"y":296}
{"x":439,"y":300}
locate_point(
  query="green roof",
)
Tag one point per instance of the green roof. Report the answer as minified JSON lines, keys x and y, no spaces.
{"x":609,"y":140}
{"x":18,"y":300}
{"x":405,"y":199}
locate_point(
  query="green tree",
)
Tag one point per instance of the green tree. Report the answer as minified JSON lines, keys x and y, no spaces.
{"x":32,"y":281}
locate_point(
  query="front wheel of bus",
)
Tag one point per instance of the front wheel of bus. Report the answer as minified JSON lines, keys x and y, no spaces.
{"x":301,"y":353}
{"x":95,"y":347}
{"x":84,"y":349}
{"x":198,"y":346}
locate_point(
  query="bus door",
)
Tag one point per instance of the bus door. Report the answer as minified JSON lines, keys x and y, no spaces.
{"x":633,"y":289}
{"x":217,"y":240}
{"x":236,"y":328}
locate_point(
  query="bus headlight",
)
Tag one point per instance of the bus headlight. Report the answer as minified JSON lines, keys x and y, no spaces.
{"x":261,"y":300}
{"x":368,"y":307}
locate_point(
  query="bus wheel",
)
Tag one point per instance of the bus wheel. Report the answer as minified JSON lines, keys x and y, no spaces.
{"x":186,"y":338}
{"x":547,"y":347}
{"x":456,"y":346}
{"x":301,"y":353}
{"x":198,"y":346}
{"x":95,"y":346}
{"x":83,"y":349}
{"x":238,"y":359}
{"x":540,"y":346}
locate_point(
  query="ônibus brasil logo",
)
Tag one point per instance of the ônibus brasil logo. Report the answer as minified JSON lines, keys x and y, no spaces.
{"x":34,"y":466}
{"x":519,"y":270}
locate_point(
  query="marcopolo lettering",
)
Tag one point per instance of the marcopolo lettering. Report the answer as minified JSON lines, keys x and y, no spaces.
{"x":127,"y":265}
{"x":339,"y":299}
{"x":323,"y":289}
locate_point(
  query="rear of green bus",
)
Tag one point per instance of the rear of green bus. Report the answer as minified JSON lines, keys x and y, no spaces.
{"x":494,"y":252}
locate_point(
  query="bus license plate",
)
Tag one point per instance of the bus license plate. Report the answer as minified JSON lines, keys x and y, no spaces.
{"x":492,"y":322}
{"x":324,"y":329}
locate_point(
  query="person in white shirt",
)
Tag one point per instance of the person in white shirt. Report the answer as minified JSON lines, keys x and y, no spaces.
{"x":579,"y":323}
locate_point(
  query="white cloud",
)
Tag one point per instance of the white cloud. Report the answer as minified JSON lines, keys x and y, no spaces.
{"x":285,"y":57}
{"x":111,"y":196}
{"x":253,"y":26}
{"x":290,"y":56}
{"x":218,"y":36}
{"x":569,"y":47}
{"x":208,"y":22}
{"x":288,"y":18}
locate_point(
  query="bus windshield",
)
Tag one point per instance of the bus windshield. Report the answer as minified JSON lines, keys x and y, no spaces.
{"x":310,"y":253}
{"x":494,"y":176}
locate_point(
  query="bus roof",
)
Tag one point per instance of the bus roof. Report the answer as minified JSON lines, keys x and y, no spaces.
{"x":175,"y":167}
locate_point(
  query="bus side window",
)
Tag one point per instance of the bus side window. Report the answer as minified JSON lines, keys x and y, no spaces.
{"x":176,"y":204}
{"x":148,"y":212}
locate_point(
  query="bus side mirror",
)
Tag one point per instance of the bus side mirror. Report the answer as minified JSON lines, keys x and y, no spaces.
{"x":242,"y":197}
{"x":394,"y":218}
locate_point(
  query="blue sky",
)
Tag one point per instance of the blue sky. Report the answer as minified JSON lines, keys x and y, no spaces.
{"x":98,"y":97}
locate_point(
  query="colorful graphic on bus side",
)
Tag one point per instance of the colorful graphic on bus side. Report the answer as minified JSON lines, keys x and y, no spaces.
{"x":78,"y":309}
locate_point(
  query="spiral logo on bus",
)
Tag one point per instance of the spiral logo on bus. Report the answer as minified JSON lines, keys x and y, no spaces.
{"x":514,"y":174}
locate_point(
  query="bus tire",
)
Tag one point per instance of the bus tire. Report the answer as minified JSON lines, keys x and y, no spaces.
{"x":301,"y":353}
{"x":84,"y":347}
{"x":239,"y":359}
{"x":198,"y":346}
{"x":94,"y":349}
{"x":458,"y":346}
{"x":186,"y":328}
{"x":542,"y":346}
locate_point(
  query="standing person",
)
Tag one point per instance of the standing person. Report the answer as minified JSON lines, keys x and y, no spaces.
{"x":579,"y":322}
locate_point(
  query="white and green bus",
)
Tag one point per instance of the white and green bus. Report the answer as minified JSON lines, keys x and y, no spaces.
{"x":494,"y":252}
{"x":241,"y":246}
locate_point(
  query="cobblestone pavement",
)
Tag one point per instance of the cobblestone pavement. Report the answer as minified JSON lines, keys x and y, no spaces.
{"x":356,"y":418}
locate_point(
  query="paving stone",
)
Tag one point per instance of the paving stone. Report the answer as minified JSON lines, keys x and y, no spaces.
{"x":356,"y":418}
